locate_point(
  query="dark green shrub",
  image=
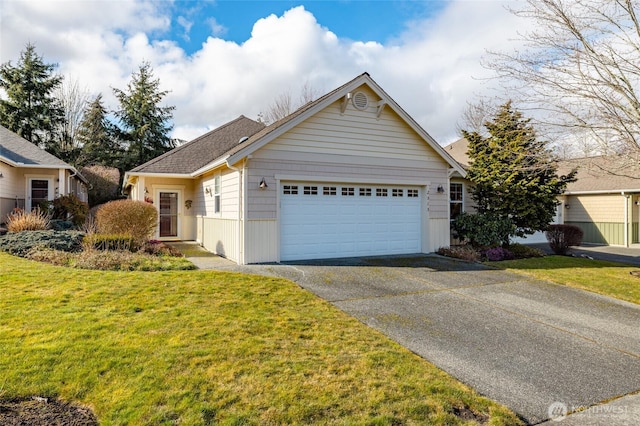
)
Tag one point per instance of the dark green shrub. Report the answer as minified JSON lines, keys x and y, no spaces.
{"x":562,"y":237}
{"x":122,"y":242}
{"x":521,"y":251}
{"x":135,"y":218}
{"x":483,"y":230}
{"x":62,"y":225}
{"x":20,"y":243}
{"x":467,"y":253}
{"x":69,"y":207}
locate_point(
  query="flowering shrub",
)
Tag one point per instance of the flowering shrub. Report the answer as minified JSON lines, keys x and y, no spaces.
{"x":496,"y":254}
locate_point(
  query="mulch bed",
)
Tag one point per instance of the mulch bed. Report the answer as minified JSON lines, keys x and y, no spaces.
{"x":38,"y":411}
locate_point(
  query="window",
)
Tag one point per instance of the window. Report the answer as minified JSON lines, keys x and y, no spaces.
{"x":348,"y":192}
{"x":310,"y":190}
{"x":397,"y":192}
{"x":455,"y":199}
{"x":365,"y":192}
{"x":290,"y":189}
{"x":329,"y":190}
{"x":381,"y":192}
{"x":216,"y":194}
{"x":412,"y":193}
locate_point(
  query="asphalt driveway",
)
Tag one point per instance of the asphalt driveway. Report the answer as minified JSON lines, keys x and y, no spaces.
{"x":528,"y":344}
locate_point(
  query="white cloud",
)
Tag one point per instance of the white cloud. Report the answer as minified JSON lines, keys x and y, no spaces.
{"x":186,"y":25}
{"x":432,"y":70}
{"x":217,"y":29}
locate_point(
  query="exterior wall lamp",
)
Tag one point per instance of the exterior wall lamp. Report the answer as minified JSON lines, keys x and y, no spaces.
{"x":440,"y":189}
{"x":263,"y":184}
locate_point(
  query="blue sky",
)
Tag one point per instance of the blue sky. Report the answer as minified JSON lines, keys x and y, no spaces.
{"x":380,"y":21}
{"x":222,"y":59}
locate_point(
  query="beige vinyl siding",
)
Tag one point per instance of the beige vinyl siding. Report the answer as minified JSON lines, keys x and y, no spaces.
{"x":355,"y":145}
{"x":595,"y":208}
{"x":12,"y":190}
{"x":439,"y":234}
{"x":219,"y":236}
{"x":229,"y":195}
{"x":262,"y":241}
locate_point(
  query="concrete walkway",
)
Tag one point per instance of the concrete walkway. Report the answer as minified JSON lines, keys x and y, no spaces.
{"x":541,"y":349}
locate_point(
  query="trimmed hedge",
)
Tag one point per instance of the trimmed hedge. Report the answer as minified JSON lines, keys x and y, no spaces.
{"x":20,"y":243}
{"x":135,"y":218}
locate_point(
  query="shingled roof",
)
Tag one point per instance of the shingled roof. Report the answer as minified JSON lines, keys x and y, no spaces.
{"x":222,"y":142}
{"x":600,"y":174}
{"x":21,"y":153}
{"x":202,"y":150}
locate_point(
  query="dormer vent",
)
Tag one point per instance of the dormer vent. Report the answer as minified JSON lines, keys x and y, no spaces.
{"x":360,"y":101}
{"x":243,"y":139}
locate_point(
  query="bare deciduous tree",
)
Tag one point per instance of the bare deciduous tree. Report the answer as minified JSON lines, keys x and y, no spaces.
{"x":283,"y":105}
{"x":579,"y":73}
{"x":73,"y":100}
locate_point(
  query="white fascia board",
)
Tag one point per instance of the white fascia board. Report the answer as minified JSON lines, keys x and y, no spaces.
{"x":602,"y":192}
{"x":202,"y":170}
{"x":126,"y":181}
{"x":351,"y":179}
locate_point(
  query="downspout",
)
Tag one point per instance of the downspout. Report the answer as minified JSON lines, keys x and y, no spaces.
{"x":626,"y":219}
{"x":74,"y":174}
{"x":242,"y":203}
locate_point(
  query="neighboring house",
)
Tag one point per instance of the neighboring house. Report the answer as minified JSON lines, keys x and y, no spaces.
{"x":30,"y":175}
{"x":349,"y":174}
{"x":605,"y":206}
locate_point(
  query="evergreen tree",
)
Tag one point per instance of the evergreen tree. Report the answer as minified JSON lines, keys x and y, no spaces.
{"x":514,"y":174}
{"x":30,"y":110}
{"x":145,"y":124}
{"x":98,"y":137}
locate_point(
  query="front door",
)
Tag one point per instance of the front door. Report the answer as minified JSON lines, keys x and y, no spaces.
{"x":168,"y":214}
{"x":38,"y":193}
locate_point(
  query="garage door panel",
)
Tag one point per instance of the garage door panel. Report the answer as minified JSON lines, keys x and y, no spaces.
{"x":332,"y":223}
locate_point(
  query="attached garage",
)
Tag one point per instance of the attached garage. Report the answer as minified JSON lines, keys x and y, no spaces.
{"x":329,"y":220}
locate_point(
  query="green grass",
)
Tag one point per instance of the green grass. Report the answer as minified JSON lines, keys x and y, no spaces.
{"x":608,"y":278}
{"x":206,"y":347}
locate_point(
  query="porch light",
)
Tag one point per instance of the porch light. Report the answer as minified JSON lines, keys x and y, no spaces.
{"x":263,"y":184}
{"x":566,"y":206}
{"x":440,"y":189}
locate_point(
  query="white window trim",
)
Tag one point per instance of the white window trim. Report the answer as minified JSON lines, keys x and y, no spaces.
{"x":179,"y":189}
{"x":217,"y":194}
{"x":27,"y":195}
{"x":461,"y":202}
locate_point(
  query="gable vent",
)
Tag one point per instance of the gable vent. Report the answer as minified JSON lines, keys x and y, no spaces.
{"x":360,"y":101}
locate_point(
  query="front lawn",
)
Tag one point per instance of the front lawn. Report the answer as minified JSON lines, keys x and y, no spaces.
{"x":608,"y":278}
{"x":206,"y":347}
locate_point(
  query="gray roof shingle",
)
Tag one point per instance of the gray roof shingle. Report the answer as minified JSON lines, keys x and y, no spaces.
{"x":20,"y":151}
{"x":202,"y":150}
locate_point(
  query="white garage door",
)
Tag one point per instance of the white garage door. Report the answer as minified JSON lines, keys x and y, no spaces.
{"x":320,"y":221}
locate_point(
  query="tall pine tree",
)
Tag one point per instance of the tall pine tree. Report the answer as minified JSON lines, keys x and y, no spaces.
{"x":30,"y":110}
{"x":145,"y":124}
{"x":98,"y":137}
{"x":514,"y":174}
